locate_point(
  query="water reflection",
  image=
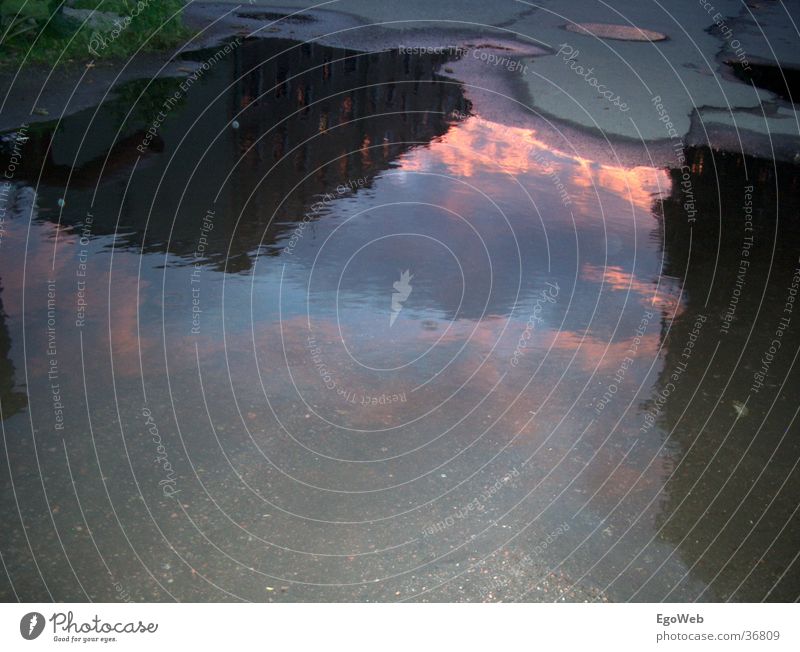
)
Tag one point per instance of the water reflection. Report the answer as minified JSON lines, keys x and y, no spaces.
{"x":736,"y":443}
{"x":11,"y":399}
{"x":350,"y":309}
{"x":288,"y":147}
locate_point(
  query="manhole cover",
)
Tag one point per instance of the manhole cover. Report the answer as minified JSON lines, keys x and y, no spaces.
{"x":617,"y":32}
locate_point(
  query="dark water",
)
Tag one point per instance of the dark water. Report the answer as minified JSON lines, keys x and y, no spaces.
{"x":331,"y":335}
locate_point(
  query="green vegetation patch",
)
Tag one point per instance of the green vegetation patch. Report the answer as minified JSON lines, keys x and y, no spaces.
{"x":44,"y":30}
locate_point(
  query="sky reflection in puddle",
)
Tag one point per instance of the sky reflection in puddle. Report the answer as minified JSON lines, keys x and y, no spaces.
{"x":391,"y":319}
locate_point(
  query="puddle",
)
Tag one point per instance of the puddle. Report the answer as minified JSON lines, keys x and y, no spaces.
{"x":341,"y":339}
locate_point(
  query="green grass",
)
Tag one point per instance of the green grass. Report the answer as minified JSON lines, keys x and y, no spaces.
{"x":65,"y":38}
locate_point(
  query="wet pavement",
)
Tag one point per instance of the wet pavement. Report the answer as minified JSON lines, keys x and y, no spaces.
{"x":306,"y":325}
